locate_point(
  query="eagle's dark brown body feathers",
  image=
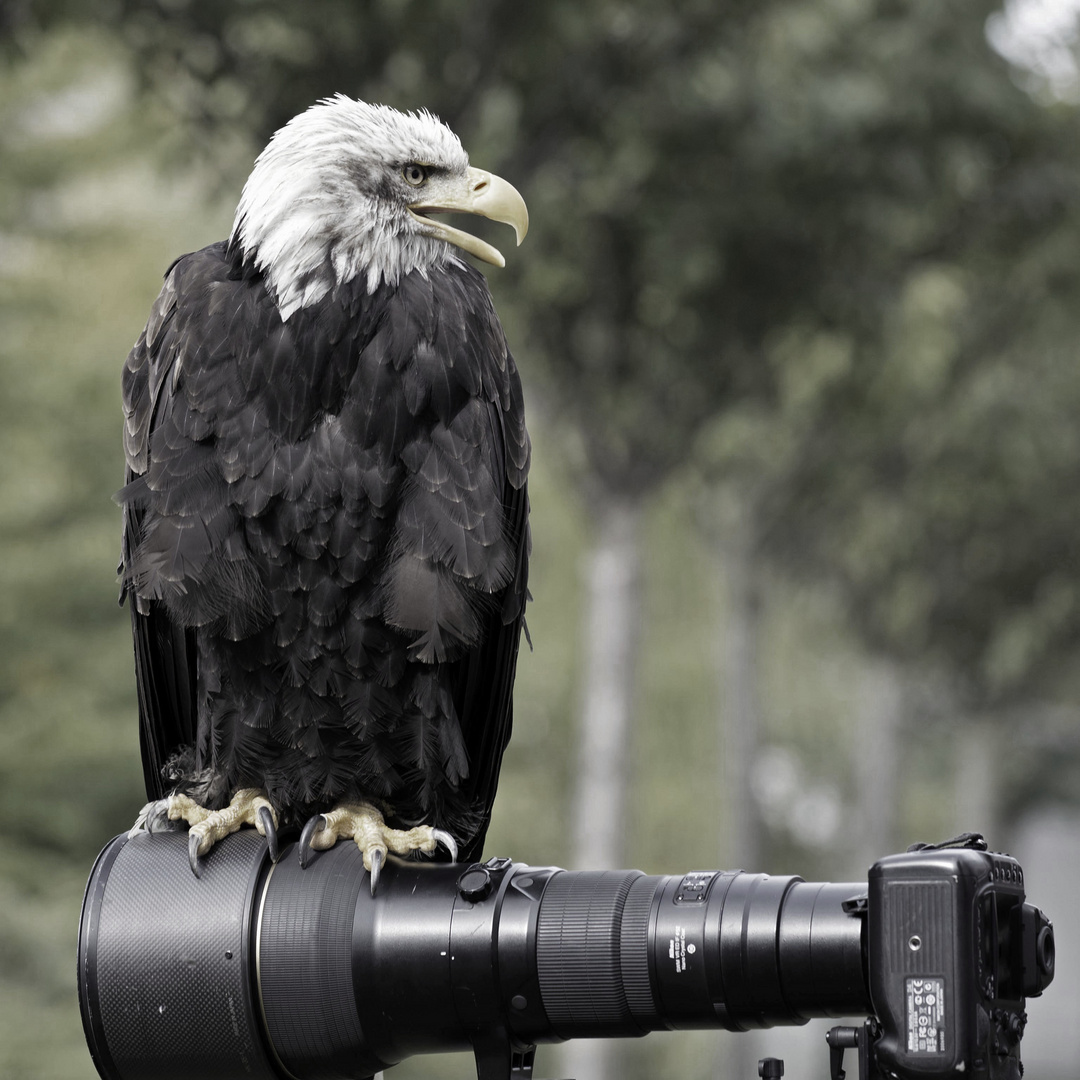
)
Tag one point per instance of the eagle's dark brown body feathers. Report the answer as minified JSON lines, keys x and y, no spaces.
{"x":326,"y":541}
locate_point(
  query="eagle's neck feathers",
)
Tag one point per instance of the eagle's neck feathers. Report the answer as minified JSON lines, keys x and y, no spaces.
{"x":324,"y":206}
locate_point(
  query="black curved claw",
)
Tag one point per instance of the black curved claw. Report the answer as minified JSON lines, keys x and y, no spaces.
{"x":311,"y":827}
{"x":376,"y":869}
{"x":269,"y":830}
{"x":197,"y":864}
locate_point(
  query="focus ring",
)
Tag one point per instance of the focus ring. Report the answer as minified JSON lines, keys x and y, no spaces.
{"x":634,"y":952}
{"x":578,"y":953}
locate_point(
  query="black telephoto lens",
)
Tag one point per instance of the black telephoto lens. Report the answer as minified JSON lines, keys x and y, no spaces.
{"x":270,"y":971}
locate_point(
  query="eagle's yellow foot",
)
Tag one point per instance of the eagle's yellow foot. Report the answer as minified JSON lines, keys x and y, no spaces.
{"x":249,"y":806}
{"x":365,"y":824}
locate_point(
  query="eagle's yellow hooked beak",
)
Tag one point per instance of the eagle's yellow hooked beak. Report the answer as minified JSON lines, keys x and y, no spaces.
{"x":480,"y":193}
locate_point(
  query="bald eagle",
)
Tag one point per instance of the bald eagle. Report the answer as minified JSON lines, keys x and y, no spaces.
{"x":325,"y":520}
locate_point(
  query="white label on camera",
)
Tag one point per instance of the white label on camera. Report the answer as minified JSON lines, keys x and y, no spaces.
{"x":926,"y":1015}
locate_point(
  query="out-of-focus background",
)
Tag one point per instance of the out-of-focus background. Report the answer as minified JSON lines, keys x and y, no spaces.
{"x":799,"y":322}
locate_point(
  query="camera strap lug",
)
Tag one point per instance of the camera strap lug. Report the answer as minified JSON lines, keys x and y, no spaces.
{"x":857,"y":905}
{"x":972,"y":840}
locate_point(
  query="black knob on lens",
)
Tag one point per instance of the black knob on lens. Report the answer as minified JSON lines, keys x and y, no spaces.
{"x":475,"y":884}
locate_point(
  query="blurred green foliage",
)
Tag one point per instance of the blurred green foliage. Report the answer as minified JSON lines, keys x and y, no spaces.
{"x":841,"y":223}
{"x":815,"y":261}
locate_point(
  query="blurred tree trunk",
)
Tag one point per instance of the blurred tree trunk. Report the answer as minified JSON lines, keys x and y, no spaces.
{"x":613,"y":617}
{"x":976,"y":756}
{"x":612,"y":635}
{"x":878,"y":748}
{"x":740,"y":720}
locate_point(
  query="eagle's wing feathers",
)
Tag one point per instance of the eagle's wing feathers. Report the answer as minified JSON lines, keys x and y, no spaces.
{"x":484,"y":682}
{"x":182,"y":565}
{"x":185,"y":549}
{"x":164,"y":652}
{"x":458,"y":573}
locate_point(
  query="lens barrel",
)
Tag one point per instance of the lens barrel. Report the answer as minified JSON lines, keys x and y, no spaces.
{"x":262,"y":970}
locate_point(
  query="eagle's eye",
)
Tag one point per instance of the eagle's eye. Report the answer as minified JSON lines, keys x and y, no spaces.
{"x":414,"y":174}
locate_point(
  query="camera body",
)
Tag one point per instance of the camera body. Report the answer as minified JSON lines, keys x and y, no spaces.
{"x":953,"y":952}
{"x":272,"y":971}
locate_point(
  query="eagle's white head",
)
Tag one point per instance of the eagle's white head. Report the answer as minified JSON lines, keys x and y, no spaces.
{"x":342,"y":190}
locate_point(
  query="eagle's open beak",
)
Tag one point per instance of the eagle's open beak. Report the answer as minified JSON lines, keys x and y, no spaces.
{"x":479,"y":193}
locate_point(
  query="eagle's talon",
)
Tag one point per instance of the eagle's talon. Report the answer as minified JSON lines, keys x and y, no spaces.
{"x":365,"y":825}
{"x":265,"y":824}
{"x":207,"y":827}
{"x":377,"y":856}
{"x":447,"y":842}
{"x":197,"y":864}
{"x":315,"y":823}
